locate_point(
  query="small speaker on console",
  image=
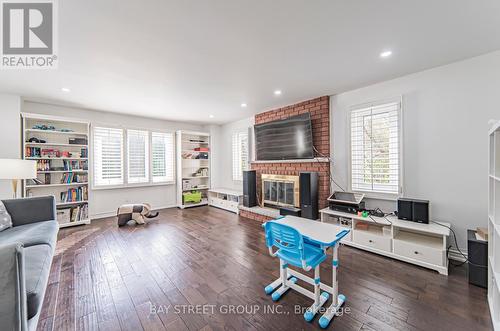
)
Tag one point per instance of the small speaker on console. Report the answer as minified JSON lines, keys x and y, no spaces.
{"x":405,"y":209}
{"x":308,"y":182}
{"x":420,"y":211}
{"x":249,"y":188}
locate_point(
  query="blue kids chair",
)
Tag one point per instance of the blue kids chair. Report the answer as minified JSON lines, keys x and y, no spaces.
{"x":292,"y":249}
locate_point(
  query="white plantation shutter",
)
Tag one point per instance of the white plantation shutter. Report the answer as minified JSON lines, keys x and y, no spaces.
{"x":108,"y":156}
{"x":240,"y":154}
{"x":375,"y":147}
{"x":162,"y":146}
{"x":138,"y":156}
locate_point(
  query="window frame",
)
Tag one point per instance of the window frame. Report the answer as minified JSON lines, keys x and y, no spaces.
{"x":92,"y":164}
{"x":147,"y":160}
{"x":151,"y":177}
{"x":126,"y":184}
{"x":370,"y":193}
{"x":237,"y":133}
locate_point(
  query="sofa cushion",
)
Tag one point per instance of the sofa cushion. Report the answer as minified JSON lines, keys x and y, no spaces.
{"x":37,"y":262}
{"x":32,"y":234}
{"x":5,"y":220}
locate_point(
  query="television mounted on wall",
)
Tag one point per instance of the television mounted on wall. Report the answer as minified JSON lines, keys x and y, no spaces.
{"x":287,"y":139}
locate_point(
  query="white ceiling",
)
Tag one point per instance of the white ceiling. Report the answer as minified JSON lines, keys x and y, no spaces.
{"x":186,"y":59}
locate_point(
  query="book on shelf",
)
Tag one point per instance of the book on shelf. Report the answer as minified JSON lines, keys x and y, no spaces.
{"x":75,"y":165}
{"x":70,"y":177}
{"x":43,"y":165}
{"x":75,"y":194}
{"x":33,"y":151}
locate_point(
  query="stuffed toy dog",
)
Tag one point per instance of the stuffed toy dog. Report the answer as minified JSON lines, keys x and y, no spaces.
{"x":136,"y":212}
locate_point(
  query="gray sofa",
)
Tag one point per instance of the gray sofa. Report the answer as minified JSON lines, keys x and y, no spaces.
{"x":26,"y":252}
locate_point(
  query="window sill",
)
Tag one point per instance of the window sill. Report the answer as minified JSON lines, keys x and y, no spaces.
{"x":378,"y":195}
{"x":124,"y":186}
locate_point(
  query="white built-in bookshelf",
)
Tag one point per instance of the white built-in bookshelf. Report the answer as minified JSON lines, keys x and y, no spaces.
{"x":193,"y":168}
{"x":494,"y":226}
{"x":61,"y":148}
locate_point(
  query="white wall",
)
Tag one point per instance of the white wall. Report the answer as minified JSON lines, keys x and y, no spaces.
{"x":10,"y":135}
{"x":223,"y":158}
{"x":105,"y":202}
{"x":446,"y":112}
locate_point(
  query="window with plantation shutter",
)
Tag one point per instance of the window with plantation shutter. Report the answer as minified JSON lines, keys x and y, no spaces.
{"x":162,"y":158}
{"x":138,"y":156}
{"x":108,"y":156}
{"x":240,"y":154}
{"x":375,"y":148}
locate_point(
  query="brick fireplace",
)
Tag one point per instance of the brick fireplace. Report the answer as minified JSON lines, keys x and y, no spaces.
{"x":319,"y":109}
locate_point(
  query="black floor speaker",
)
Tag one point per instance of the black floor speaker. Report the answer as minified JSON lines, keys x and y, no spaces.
{"x":249,"y":188}
{"x":477,"y":252}
{"x":309,"y":194}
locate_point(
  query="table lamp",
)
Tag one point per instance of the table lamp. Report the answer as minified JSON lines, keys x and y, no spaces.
{"x":16,"y":169}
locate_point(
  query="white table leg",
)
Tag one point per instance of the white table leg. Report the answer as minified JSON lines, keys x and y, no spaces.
{"x":319,"y":299}
{"x":284,"y":281}
{"x":337,"y":299}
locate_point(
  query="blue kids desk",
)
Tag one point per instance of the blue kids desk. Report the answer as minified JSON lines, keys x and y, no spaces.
{"x":303,"y":243}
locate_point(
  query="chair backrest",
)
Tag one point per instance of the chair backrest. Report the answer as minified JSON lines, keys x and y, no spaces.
{"x":284,"y":237}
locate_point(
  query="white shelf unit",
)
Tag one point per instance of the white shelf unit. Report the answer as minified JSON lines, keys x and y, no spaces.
{"x":193,"y":169}
{"x":494,"y":225}
{"x":421,"y":244}
{"x":226,"y":199}
{"x":53,"y":168}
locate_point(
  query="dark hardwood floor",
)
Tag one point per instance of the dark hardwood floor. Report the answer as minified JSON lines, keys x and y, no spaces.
{"x":161,"y":275}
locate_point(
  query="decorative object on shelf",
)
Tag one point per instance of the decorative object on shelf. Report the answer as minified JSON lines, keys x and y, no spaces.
{"x":36,"y":140}
{"x":15,"y":169}
{"x":136,"y":212}
{"x":77,"y":141}
{"x":44,"y":127}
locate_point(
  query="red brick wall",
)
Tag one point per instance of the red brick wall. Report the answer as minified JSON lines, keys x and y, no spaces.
{"x":320,"y":116}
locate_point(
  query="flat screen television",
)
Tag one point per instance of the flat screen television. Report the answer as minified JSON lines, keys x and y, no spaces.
{"x":286,"y":139}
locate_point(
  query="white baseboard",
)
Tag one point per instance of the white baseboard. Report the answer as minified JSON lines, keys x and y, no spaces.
{"x":113,"y":213}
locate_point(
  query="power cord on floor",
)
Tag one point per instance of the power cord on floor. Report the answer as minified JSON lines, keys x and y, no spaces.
{"x":458,"y":249}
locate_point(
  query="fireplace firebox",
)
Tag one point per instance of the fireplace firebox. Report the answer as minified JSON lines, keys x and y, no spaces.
{"x":280,"y":190}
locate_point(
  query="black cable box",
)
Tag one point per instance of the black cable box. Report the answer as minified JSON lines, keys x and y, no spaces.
{"x":351,"y":208}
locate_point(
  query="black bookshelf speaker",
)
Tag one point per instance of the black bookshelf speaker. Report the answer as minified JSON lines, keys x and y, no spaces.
{"x":420,"y":211}
{"x":308,"y":182}
{"x":405,"y":209}
{"x":250,"y":188}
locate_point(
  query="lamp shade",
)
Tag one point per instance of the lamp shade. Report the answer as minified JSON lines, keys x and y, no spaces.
{"x":17,"y":169}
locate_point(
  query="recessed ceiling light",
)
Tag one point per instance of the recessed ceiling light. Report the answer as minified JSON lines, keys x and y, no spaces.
{"x":385,"y":54}
{"x":243,"y":105}
{"x":211,"y":116}
{"x":277,"y":92}
{"x":65,"y":89}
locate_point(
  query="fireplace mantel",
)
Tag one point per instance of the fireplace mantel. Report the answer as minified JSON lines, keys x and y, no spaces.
{"x":316,"y":159}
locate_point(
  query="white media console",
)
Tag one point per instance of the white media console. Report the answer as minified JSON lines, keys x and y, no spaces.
{"x":421,"y":244}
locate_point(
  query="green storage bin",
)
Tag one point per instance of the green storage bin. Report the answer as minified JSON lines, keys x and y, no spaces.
{"x":191,"y":197}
